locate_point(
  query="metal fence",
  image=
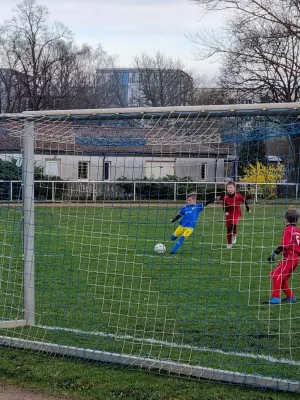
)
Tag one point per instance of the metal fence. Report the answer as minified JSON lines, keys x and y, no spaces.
{"x":140,"y":190}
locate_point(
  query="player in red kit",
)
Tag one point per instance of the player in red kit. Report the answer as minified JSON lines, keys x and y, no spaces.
{"x":290,"y":246}
{"x":232,"y":207}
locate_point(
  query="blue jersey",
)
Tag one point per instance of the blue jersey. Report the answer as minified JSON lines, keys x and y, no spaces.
{"x":190,"y":214}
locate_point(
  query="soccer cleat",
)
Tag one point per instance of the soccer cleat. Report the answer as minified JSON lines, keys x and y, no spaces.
{"x":289,"y":300}
{"x":229,"y":246}
{"x":273,"y":300}
{"x":233,"y":239}
{"x":172,"y":253}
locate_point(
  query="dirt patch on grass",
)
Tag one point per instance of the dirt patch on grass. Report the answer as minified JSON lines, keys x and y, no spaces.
{"x":8,"y":392}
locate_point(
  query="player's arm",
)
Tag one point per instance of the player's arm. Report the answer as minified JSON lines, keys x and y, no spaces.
{"x":274,"y":253}
{"x":225,"y":207}
{"x":178,"y":216}
{"x":212,"y":201}
{"x":285,"y":243}
{"x":286,"y":239}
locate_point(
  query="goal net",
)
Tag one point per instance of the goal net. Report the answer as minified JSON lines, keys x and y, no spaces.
{"x":86,"y":195}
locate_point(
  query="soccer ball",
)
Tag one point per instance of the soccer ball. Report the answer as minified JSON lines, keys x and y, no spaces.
{"x":160,"y":248}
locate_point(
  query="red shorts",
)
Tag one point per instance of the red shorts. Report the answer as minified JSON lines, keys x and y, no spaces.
{"x":232,"y":219}
{"x":285,"y":268}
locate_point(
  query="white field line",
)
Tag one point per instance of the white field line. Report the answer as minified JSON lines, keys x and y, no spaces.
{"x":172,"y":344}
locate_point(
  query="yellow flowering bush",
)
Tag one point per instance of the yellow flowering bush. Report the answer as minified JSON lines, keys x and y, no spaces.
{"x":261,"y":173}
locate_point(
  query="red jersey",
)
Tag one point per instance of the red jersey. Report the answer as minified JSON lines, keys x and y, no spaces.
{"x":232,"y":204}
{"x":290,"y":240}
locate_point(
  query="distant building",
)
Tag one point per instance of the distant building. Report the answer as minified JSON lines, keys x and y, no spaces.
{"x":13,"y":94}
{"x":129,"y":85}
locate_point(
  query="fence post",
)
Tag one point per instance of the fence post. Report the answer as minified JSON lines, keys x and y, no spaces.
{"x":53,"y":192}
{"x":134,"y":191}
{"x":297,"y":186}
{"x":11,"y":190}
{"x":256,"y":195}
{"x":94,"y":192}
{"x":28,"y":222}
{"x":175,"y":191}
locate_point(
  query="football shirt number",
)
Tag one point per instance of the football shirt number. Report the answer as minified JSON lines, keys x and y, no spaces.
{"x":297,"y":236}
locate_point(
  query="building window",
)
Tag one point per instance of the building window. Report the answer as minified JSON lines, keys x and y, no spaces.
{"x":203,"y":171}
{"x":107,"y":170}
{"x":83,"y":170}
{"x":52,"y":167}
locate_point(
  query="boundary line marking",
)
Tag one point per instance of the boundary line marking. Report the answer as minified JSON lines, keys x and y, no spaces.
{"x":172,"y":344}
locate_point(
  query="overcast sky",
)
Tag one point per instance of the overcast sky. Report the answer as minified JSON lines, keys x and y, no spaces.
{"x":128,"y":27}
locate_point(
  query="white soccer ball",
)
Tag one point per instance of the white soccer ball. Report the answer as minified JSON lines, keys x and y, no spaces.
{"x":160,"y":248}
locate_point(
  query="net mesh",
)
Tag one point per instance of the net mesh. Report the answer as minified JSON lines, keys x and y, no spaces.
{"x":106,"y":185}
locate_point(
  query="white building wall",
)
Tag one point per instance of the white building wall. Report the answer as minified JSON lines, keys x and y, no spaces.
{"x":69,"y":165}
{"x":131,"y":167}
{"x":193,"y":167}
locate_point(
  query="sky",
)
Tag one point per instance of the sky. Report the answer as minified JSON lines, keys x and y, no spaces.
{"x":126,"y":28}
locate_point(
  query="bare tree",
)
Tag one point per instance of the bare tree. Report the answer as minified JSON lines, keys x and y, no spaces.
{"x":112,"y":88}
{"x":41,"y":63}
{"x":266,"y":70}
{"x":284,"y":13}
{"x":217,"y":94}
{"x":257,"y":56}
{"x":31,"y":42}
{"x":75,"y":83}
{"x":12,"y":90}
{"x":260,"y":50}
{"x":162,"y":81}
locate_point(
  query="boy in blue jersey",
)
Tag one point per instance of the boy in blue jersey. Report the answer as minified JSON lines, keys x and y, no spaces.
{"x":189,"y":215}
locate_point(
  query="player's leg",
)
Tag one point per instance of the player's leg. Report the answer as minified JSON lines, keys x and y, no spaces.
{"x":282,"y":271}
{"x":234,"y":232}
{"x":276,"y":286}
{"x":178,"y":232}
{"x":276,"y":276}
{"x":229,"y":235}
{"x":184,"y":235}
{"x":234,"y":228}
{"x":290,"y":297}
{"x":229,"y":227}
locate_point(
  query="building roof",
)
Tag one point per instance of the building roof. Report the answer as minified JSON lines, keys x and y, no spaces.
{"x":115,"y":139}
{"x":140,"y":70}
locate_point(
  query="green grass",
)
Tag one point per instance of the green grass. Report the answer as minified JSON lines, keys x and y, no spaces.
{"x":96,"y":272}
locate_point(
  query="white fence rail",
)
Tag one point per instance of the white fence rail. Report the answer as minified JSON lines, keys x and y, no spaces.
{"x":94,"y":191}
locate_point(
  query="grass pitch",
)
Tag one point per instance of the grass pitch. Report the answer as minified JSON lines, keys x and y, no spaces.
{"x":100,"y":286}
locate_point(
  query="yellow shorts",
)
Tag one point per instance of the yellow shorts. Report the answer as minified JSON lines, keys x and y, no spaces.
{"x":182,"y":231}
